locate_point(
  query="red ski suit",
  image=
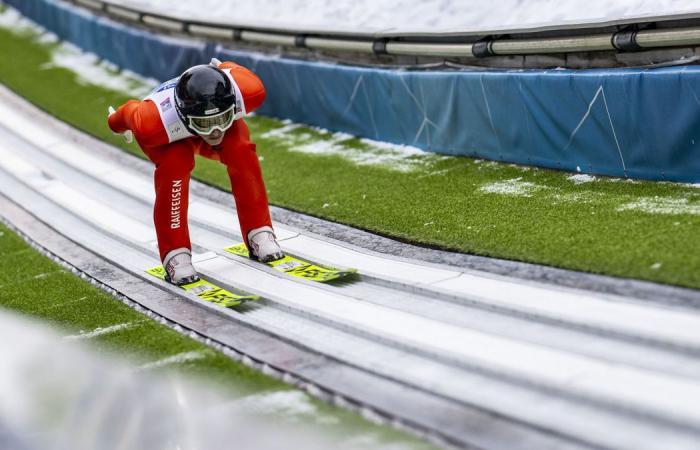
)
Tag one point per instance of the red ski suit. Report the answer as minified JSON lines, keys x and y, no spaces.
{"x":174,"y":161}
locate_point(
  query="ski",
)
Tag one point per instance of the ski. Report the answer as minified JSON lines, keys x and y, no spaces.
{"x":298,"y":267}
{"x":208,"y":291}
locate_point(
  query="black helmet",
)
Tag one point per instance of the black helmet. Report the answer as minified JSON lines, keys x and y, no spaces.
{"x":204,"y":90}
{"x":206,"y":99}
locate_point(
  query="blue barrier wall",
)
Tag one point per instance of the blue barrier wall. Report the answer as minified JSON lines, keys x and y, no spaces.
{"x":619,"y":122}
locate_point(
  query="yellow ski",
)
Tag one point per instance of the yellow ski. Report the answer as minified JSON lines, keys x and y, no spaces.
{"x":298,"y":267}
{"x":208,"y":291}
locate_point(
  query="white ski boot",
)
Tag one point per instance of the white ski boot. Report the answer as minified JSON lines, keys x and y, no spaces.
{"x":178,"y":267}
{"x":263,"y":245}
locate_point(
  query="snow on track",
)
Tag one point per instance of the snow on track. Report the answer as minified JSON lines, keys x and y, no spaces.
{"x":535,"y":354}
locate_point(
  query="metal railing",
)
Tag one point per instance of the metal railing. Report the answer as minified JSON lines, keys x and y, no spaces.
{"x":629,"y":39}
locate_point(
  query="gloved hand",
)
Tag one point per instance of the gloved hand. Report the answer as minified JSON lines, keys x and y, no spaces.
{"x":128,"y":135}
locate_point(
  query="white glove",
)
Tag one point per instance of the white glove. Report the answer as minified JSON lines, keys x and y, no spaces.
{"x":214,"y":62}
{"x":128,"y":135}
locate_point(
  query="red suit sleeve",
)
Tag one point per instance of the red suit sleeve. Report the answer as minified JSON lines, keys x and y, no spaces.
{"x":250,"y":85}
{"x":143,"y":118}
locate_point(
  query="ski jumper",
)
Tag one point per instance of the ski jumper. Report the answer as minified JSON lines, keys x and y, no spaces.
{"x":166,"y":140}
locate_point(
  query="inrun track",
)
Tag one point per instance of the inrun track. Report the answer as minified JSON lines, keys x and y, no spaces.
{"x":474,"y":358}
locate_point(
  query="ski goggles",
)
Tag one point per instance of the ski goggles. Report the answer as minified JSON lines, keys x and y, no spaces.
{"x":206,"y":125}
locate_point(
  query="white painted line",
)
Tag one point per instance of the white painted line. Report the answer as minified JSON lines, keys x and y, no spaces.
{"x":180,"y":358}
{"x":101,"y":331}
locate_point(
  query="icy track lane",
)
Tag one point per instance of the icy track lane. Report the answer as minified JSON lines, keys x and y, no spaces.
{"x":498,"y":362}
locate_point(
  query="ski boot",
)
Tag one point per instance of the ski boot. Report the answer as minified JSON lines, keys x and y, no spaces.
{"x":263,"y":245}
{"x":178,"y":267}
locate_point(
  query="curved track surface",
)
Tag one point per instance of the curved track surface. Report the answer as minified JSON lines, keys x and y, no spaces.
{"x":475,"y":358}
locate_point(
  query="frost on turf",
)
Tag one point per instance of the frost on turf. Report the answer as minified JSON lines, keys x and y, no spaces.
{"x":361,"y":152}
{"x":663,"y":205}
{"x":11,"y":19}
{"x":580,"y":178}
{"x":515,"y":187}
{"x":89,"y":69}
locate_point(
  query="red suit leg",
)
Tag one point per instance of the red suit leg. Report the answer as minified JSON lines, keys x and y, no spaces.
{"x":174,"y":163}
{"x":237,"y":152}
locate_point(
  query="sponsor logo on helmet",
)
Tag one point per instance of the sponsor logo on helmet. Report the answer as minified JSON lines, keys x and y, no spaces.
{"x":211,"y":111}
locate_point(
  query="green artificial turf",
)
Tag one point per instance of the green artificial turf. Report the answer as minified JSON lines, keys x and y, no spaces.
{"x":33,"y":285}
{"x":642,"y":230}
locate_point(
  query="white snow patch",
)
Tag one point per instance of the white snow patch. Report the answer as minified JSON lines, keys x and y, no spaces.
{"x":428,"y":16}
{"x":580,"y":178}
{"x":281,"y":132}
{"x":101,"y":331}
{"x":180,"y":358}
{"x":400,"y":158}
{"x":396,"y":149}
{"x":514,"y":187}
{"x":663,"y":205}
{"x":48,"y":38}
{"x":12,"y":19}
{"x":92,"y":71}
{"x":280,"y":402}
{"x":87,"y":66}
